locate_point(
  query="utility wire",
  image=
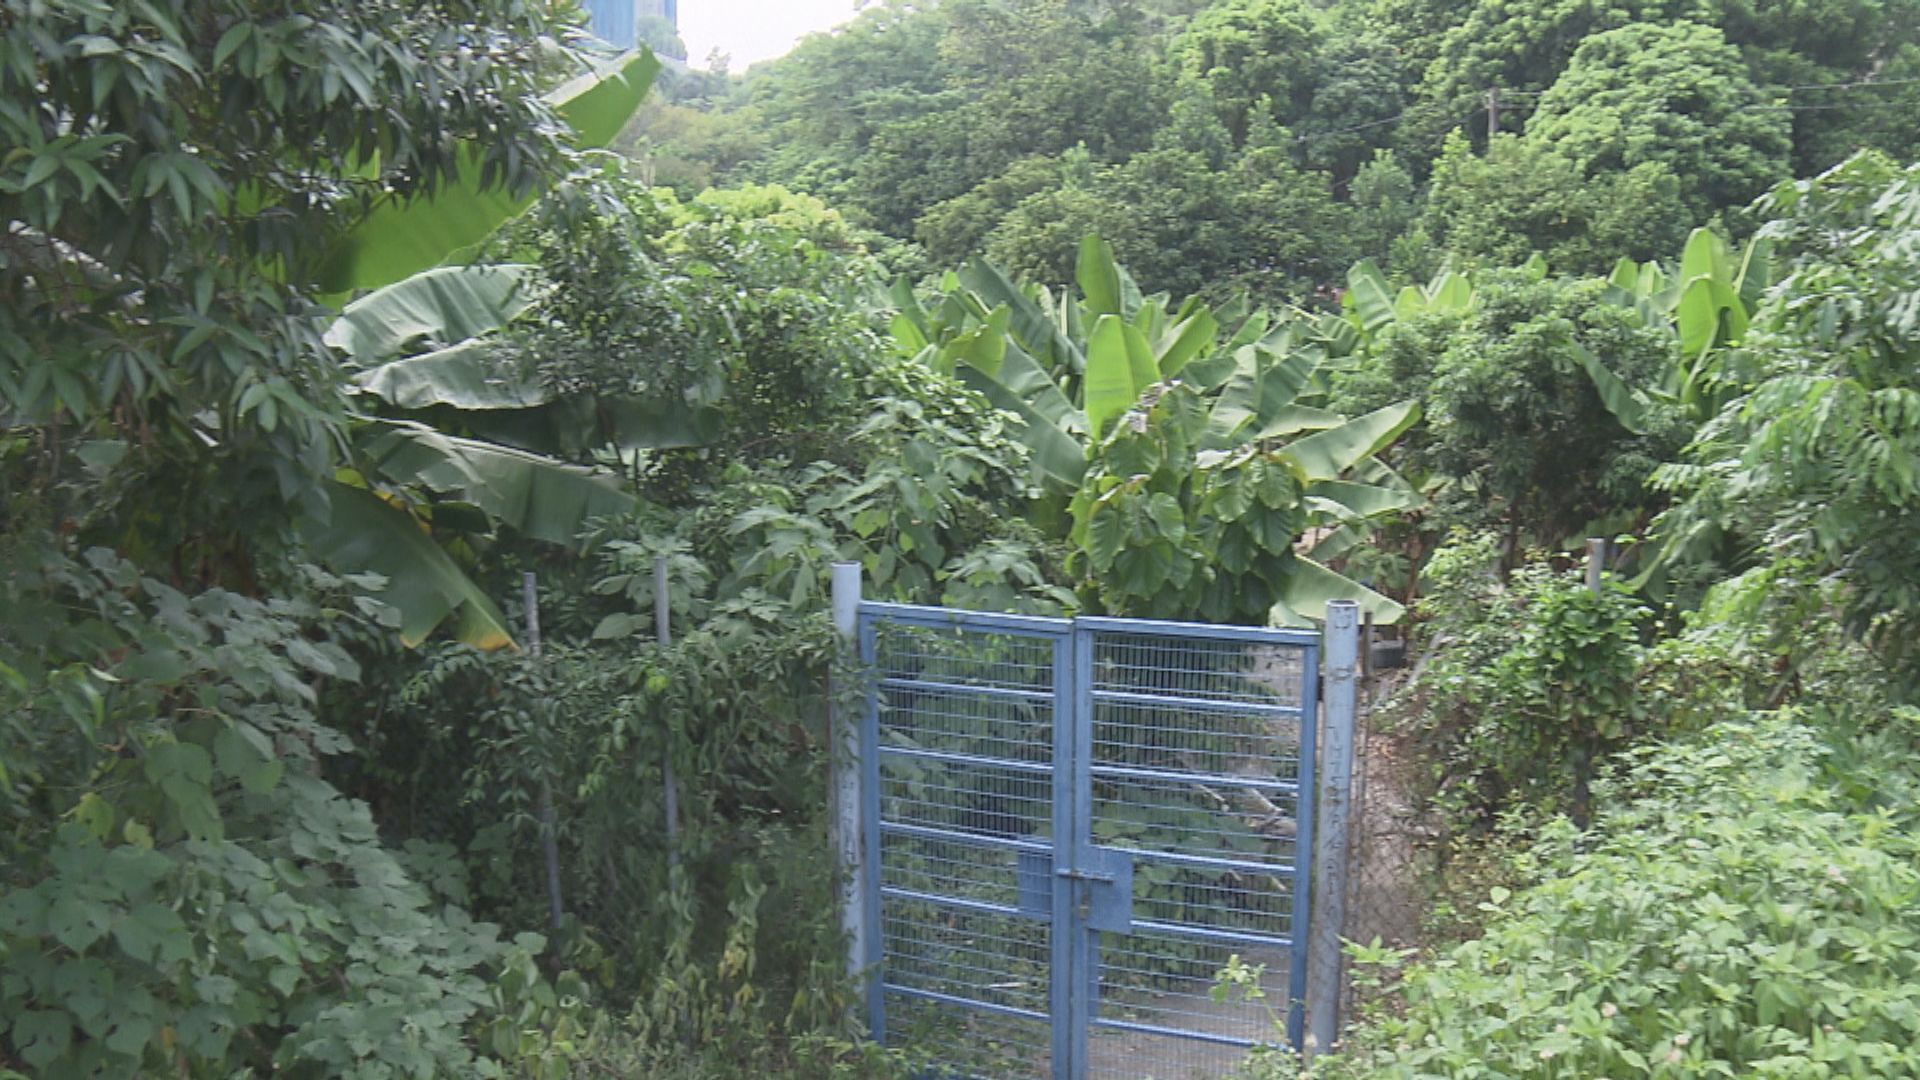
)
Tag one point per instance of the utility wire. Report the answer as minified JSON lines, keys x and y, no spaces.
{"x":1849,"y":85}
{"x":1314,"y":136}
{"x":1507,"y":102}
{"x":1822,"y":108}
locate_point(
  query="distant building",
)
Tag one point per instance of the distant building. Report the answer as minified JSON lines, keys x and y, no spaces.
{"x":618,"y":22}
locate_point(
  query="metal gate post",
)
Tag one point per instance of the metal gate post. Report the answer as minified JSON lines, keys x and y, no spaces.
{"x":849,"y":832}
{"x":1075,"y":988}
{"x":1329,"y":902}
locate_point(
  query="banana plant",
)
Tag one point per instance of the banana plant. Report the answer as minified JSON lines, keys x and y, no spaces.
{"x":1152,"y":420}
{"x":1069,"y":365}
{"x":1708,"y":304}
{"x":1370,"y":304}
{"x":402,"y":235}
{"x":1213,"y":504}
{"x":419,"y":348}
{"x":424,"y":360}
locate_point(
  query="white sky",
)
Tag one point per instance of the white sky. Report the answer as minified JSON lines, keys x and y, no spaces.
{"x":749,"y":31}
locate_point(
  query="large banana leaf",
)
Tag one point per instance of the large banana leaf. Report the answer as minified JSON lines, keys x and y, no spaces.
{"x":1059,"y":457}
{"x":1370,"y":296}
{"x":444,"y":306}
{"x":1099,"y":277}
{"x":1309,"y":587}
{"x":1349,"y":499}
{"x":1025,"y":379}
{"x":465,"y":377}
{"x":1119,"y":368}
{"x":1184,"y":341}
{"x":366,"y":533}
{"x":1756,"y":271}
{"x":404,"y":236}
{"x":1326,"y":454}
{"x":1032,"y":325}
{"x":537,"y":496}
{"x":1627,"y":405}
{"x":1260,"y":394}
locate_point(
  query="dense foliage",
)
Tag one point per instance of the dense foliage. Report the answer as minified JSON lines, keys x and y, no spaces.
{"x":1749,"y":910}
{"x":1224,"y":142}
{"x":331,"y":367}
{"x":1742,"y":902}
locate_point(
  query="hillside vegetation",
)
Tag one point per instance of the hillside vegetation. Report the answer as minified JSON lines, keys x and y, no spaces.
{"x":1270,"y":144}
{"x":351,"y":399}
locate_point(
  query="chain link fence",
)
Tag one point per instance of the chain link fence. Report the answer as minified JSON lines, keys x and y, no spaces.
{"x":1391,"y":857}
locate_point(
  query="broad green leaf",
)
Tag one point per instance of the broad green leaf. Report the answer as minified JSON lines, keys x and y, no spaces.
{"x":1756,"y":272}
{"x":41,"y":1036}
{"x":1059,"y":459}
{"x":1704,"y":256}
{"x":538,"y":496}
{"x":903,"y":299}
{"x":1293,"y":419}
{"x":1453,"y":294}
{"x":153,"y":934}
{"x":1309,"y":587}
{"x":1362,"y":500}
{"x":1099,"y":277}
{"x":1281,"y":384}
{"x":1140,"y":359}
{"x":1339,"y":542}
{"x":1110,"y":388}
{"x":366,"y":533}
{"x":405,"y":236}
{"x":909,"y":336}
{"x":1026,"y":380}
{"x":1409,"y":303}
{"x":571,"y":427}
{"x":77,"y":922}
{"x":1709,"y":313}
{"x":1033,"y":327}
{"x":443,"y":306}
{"x":1258,"y":395}
{"x":1169,"y":520}
{"x":1327,"y":454}
{"x":984,"y":348}
{"x":1625,"y":276}
{"x":1186,"y":340}
{"x":1106,"y":532}
{"x":467,"y":376}
{"x":184,"y":774}
{"x":1370,"y":295}
{"x":1238,"y":400}
{"x":1627,"y":405}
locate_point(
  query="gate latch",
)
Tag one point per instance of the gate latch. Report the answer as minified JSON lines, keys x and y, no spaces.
{"x":1102,"y":889}
{"x":1105,"y":887}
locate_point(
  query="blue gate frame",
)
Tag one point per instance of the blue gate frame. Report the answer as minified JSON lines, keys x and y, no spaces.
{"x":1068,"y":825}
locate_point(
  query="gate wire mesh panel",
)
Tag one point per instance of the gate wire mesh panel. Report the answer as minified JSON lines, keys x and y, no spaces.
{"x":965,"y":725}
{"x":1197,"y":764}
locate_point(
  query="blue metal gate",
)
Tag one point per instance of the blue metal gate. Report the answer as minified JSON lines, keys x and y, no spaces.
{"x":1071,"y":826}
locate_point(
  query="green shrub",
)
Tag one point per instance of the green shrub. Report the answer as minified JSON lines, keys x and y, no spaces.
{"x":183,"y":893}
{"x":1530,"y":683}
{"x":1752,"y":908}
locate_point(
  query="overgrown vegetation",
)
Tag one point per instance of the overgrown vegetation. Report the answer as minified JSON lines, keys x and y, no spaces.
{"x":1269,"y":144}
{"x":323,"y":328}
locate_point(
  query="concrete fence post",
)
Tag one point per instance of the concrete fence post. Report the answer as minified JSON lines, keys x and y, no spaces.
{"x":844,"y":739}
{"x":1328,"y":906}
